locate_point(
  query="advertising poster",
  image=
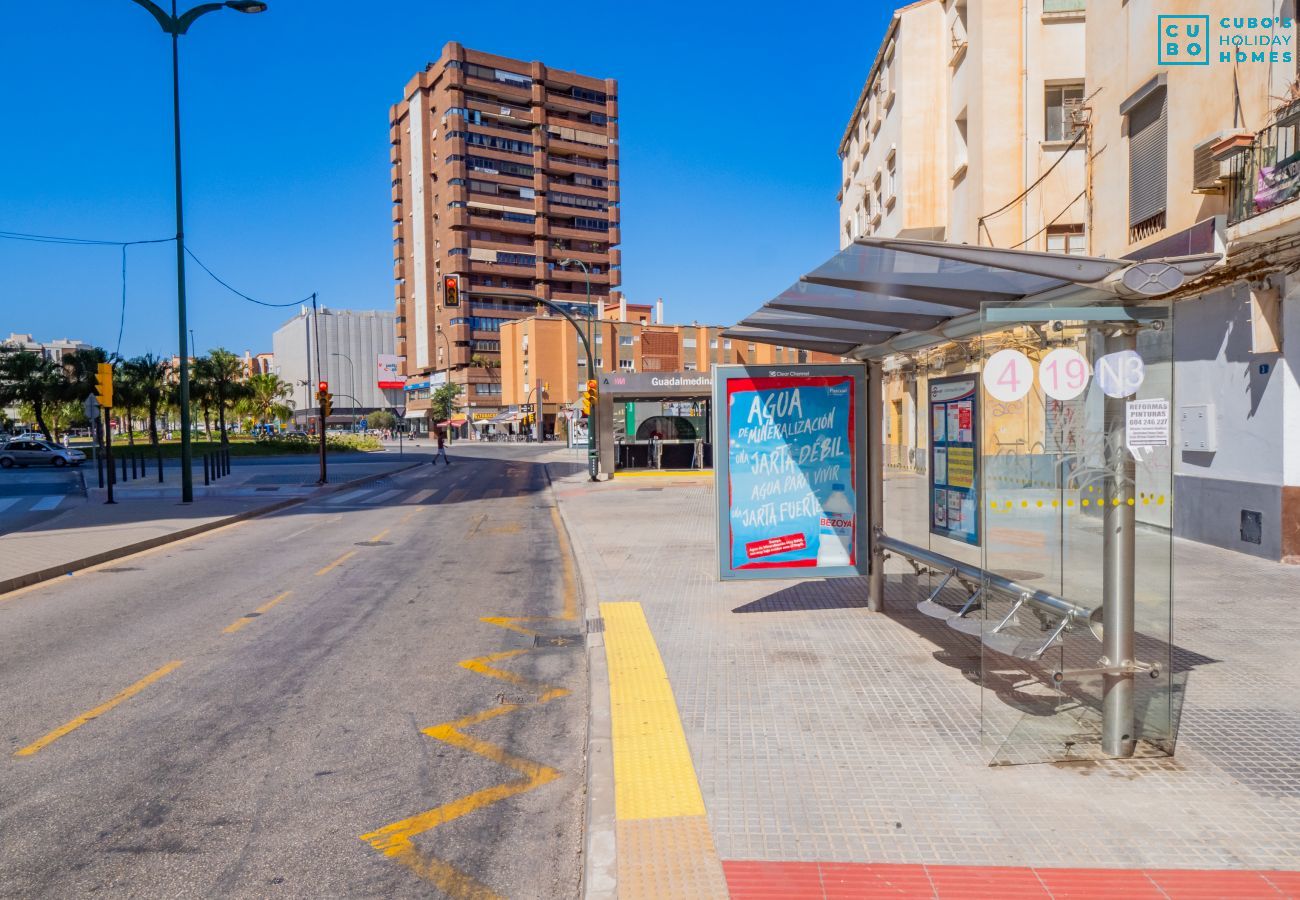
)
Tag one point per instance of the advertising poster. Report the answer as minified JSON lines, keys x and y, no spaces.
{"x":388,"y":377}
{"x":789,"y":490}
{"x":954,"y":458}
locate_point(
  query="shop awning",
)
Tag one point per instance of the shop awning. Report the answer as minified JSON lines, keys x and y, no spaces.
{"x":457,"y":421}
{"x":416,"y":414}
{"x":886,"y":295}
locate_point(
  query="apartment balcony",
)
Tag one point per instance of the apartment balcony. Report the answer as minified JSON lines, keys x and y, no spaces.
{"x":1264,"y":176}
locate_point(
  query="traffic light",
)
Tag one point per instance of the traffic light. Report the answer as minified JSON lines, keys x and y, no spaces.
{"x":325,"y":400}
{"x":451,"y":290}
{"x":104,"y":385}
{"x":589,"y":397}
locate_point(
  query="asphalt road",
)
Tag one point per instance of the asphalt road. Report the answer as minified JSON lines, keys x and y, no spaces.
{"x":177,"y":725}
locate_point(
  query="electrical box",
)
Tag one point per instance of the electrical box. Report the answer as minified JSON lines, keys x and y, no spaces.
{"x":1196,"y":428}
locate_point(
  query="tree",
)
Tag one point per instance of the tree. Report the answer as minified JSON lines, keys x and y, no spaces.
{"x":224,"y":371}
{"x":147,"y":376}
{"x":32,"y":380}
{"x":443,"y":401}
{"x":265,"y":396}
{"x":202,"y":392}
{"x":381,"y":418}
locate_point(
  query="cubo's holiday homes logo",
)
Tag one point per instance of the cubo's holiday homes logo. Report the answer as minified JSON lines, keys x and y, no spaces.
{"x":1188,"y":41}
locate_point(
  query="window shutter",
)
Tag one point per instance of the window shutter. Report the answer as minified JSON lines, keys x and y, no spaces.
{"x":1147,"y":158}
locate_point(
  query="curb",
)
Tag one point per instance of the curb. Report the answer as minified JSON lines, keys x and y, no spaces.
{"x":48,"y":574}
{"x":600,"y":851}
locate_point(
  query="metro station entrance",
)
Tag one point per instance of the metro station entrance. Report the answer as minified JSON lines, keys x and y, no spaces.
{"x":653,"y":421}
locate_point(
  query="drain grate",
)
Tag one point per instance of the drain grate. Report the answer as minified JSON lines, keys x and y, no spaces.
{"x":596,"y":625}
{"x":557,"y":641}
{"x":373,"y":544}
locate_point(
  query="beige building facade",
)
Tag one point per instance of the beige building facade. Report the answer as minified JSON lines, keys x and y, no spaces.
{"x":1195,"y":158}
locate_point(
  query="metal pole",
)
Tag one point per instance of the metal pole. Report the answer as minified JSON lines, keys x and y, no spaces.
{"x":187,"y":479}
{"x":108,"y":455}
{"x":324,"y":477}
{"x":1119,"y":519}
{"x":875,"y":487}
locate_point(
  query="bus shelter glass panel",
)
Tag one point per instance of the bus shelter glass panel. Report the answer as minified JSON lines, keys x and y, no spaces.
{"x":1075,"y":608}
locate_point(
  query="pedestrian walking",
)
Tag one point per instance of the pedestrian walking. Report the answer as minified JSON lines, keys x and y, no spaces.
{"x":442,"y":449}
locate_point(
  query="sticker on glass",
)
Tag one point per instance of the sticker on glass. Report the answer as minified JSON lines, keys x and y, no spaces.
{"x":1008,"y":375}
{"x":1063,"y":373}
{"x":1120,"y":374}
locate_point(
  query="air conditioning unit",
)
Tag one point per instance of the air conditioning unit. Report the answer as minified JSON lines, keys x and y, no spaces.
{"x":1076,"y":113}
{"x":1208,"y":173}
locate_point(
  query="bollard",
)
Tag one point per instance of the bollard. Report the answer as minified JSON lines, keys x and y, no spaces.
{"x":227,"y":452}
{"x":135,"y":473}
{"x":205,"y":470}
{"x":160,"y":472}
{"x":124,"y":478}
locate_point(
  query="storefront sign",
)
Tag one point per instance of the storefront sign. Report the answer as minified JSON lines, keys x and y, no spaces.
{"x":1146,"y":424}
{"x":791,"y":500}
{"x":954,"y":459}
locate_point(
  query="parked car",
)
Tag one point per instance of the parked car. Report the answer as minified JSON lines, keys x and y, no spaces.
{"x":38,"y":453}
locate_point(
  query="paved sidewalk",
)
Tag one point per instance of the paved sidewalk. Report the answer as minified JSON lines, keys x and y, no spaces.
{"x":94,"y":532}
{"x":845,"y":741}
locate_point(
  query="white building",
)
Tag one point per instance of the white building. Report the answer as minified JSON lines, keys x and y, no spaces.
{"x":351,"y":342}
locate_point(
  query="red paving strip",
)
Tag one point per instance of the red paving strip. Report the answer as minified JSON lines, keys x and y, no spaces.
{"x":757,"y":880}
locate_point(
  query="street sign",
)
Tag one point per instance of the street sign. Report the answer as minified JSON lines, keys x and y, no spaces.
{"x":525,"y":407}
{"x":91,"y":407}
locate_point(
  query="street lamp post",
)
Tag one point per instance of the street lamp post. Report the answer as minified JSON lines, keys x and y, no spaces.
{"x":352,"y":374}
{"x":176,"y":26}
{"x":592,"y":463}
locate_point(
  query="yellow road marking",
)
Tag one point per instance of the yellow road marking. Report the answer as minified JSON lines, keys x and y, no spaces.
{"x":383,"y":534}
{"x":245,"y":619}
{"x":668,"y":473}
{"x":395,"y":840}
{"x":338,"y":562}
{"x":654,"y":777}
{"x":99,"y":710}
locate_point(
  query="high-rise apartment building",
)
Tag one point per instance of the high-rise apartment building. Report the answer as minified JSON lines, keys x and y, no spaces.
{"x":502,"y":171}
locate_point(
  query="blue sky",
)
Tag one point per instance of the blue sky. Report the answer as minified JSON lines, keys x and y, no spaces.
{"x":729,"y":122}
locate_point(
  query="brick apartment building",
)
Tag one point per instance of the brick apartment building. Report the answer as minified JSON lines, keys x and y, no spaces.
{"x":501,"y":170}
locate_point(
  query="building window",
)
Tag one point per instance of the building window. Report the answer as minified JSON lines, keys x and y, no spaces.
{"x":1065,"y":239}
{"x":1059,"y":100}
{"x":891,"y":178}
{"x":1148,"y":151}
{"x":726,"y":345}
{"x":625,"y":340}
{"x":626,"y":365}
{"x":713,"y":343}
{"x":688,"y":343}
{"x":600,"y":362}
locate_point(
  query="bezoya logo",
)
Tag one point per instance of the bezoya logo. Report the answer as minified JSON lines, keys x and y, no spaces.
{"x":1187,"y":40}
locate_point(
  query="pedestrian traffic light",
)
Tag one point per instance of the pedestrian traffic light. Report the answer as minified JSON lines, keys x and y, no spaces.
{"x":104,"y":385}
{"x":326,"y":403}
{"x":451,"y":290}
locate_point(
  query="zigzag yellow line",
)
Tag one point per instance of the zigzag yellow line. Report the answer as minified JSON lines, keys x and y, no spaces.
{"x":395,"y":839}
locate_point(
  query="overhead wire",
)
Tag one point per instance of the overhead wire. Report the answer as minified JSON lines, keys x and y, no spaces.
{"x":239,"y":293}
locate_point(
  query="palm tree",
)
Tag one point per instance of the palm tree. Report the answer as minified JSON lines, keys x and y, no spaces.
{"x":148,"y":376}
{"x":31,"y":379}
{"x":226,"y":373}
{"x":266,"y":393}
{"x":202,"y":391}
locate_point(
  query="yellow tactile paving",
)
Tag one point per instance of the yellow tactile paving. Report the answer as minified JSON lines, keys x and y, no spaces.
{"x":654,"y":777}
{"x":660,"y":858}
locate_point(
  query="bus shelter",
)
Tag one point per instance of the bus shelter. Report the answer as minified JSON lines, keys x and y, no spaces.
{"x":1039,"y":526}
{"x":654,"y":420}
